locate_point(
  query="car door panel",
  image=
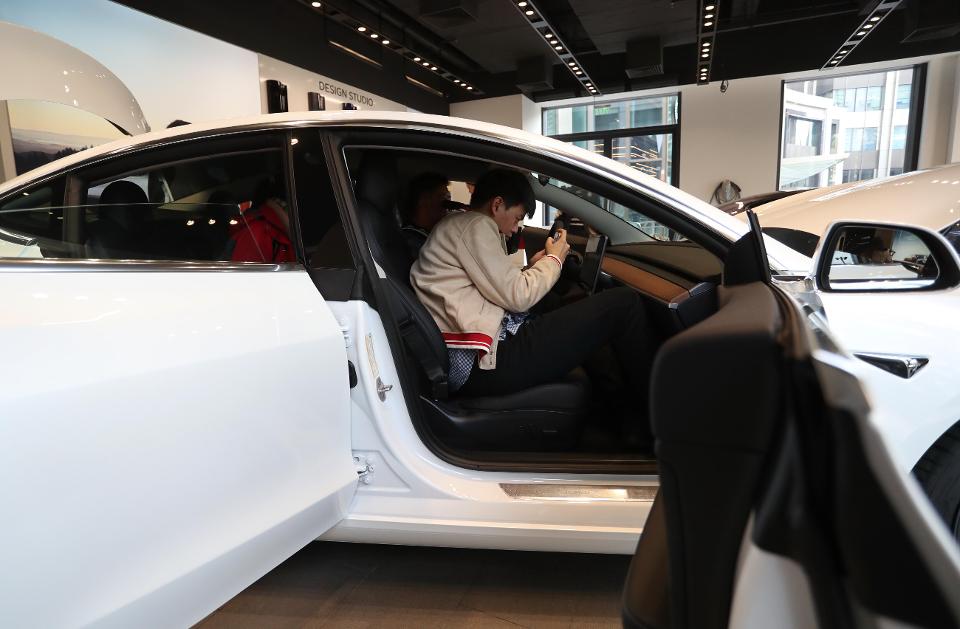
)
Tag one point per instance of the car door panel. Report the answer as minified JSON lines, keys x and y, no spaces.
{"x":194,"y":431}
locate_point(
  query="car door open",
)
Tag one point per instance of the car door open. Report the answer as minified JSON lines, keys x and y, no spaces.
{"x":193,"y":415}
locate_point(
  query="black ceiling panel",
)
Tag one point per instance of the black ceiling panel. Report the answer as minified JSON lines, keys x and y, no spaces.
{"x":482,"y":41}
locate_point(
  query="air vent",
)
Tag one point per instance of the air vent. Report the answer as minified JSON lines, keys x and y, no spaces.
{"x":644,"y":57}
{"x":534,"y":74}
{"x":931,"y":19}
{"x":448,"y":13}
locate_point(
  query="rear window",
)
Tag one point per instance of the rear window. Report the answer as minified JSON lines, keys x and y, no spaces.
{"x":223,"y":208}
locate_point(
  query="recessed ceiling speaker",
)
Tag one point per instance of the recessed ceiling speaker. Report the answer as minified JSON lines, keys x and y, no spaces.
{"x":644,"y":57}
{"x":449,"y":13}
{"x":931,"y":19}
{"x":534,"y":74}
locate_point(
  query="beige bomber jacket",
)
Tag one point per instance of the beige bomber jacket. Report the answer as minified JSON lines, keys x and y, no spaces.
{"x":466,"y":281}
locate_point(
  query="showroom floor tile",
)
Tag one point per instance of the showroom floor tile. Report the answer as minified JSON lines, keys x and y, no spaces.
{"x":357,"y":586}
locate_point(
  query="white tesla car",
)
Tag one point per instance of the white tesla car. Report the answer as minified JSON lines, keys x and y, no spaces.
{"x":211,"y":357}
{"x":911,"y":342}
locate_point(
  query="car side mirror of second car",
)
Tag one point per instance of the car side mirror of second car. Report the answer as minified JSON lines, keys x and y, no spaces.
{"x":859,"y":256}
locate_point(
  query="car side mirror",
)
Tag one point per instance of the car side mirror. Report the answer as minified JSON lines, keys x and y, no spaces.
{"x":882,"y":257}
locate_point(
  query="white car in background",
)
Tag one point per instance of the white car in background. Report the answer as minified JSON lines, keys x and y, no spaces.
{"x":913,"y":343}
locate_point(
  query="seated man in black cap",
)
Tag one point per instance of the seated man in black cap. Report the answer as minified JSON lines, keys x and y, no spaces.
{"x":427,"y":201}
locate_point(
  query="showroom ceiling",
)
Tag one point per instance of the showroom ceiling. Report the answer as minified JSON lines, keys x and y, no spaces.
{"x":497,"y":47}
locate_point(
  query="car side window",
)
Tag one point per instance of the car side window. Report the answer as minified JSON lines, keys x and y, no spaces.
{"x":218,"y":208}
{"x":952,"y":234}
{"x":31,"y":223}
{"x":325,"y":243}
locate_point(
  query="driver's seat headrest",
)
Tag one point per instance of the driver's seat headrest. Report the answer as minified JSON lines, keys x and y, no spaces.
{"x":123,"y":202}
{"x":377,"y":182}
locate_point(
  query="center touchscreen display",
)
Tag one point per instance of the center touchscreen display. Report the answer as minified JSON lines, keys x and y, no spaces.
{"x":592,"y":257}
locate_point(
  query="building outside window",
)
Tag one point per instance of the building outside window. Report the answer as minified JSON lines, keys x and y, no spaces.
{"x":899,"y":138}
{"x":641,"y":132}
{"x":848,"y":128}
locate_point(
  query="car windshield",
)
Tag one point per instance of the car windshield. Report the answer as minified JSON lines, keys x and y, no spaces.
{"x":647,"y":228}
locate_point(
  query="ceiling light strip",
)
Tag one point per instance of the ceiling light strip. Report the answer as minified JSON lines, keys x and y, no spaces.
{"x":551,"y":38}
{"x":395,"y":47}
{"x":707,"y":19}
{"x":869,"y":24}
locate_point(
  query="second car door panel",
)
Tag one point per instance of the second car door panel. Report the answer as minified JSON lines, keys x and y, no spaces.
{"x":194,"y":426}
{"x":193,"y":415}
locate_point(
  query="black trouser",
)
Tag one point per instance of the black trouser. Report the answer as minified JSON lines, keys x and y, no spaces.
{"x":549,"y":346}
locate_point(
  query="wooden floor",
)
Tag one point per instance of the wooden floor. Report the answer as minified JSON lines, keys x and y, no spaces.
{"x":359,"y":586}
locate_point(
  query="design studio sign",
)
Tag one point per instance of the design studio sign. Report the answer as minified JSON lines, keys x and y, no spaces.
{"x":348,"y":94}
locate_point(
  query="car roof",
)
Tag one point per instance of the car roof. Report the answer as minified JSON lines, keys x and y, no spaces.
{"x":701,"y":211}
{"x":928,"y":198}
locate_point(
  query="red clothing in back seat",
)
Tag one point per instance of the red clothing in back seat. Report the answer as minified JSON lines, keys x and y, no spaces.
{"x":262,"y":235}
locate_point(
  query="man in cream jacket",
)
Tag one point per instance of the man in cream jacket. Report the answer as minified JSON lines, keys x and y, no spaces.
{"x":481,"y":300}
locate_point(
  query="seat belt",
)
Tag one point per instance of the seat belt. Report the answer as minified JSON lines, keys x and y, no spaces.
{"x":418,"y":347}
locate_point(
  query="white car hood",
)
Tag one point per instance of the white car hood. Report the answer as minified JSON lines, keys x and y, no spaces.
{"x":927,"y":198}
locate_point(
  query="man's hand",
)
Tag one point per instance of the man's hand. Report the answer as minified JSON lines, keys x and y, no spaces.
{"x":536,"y":257}
{"x":558,"y":246}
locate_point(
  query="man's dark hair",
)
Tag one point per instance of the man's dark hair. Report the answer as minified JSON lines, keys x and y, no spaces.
{"x":418,"y":186}
{"x":509,"y":184}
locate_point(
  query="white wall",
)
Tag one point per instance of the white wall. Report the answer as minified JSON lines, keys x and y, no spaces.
{"x":940,"y":112}
{"x":8,"y":168}
{"x":954,"y":147}
{"x":300,"y":81}
{"x":736,"y":135}
{"x":733,"y":136}
{"x":515,"y":111}
{"x":173,"y":72}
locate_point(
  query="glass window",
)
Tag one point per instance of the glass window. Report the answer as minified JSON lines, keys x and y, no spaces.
{"x":550,"y":122}
{"x":899,"y":139}
{"x":608,"y":116}
{"x":578,"y":118}
{"x":647,"y":228}
{"x":952,"y":234}
{"x":600,"y":126}
{"x":903,"y":95}
{"x":802,"y":137}
{"x":221,"y":208}
{"x":650,"y":154}
{"x":853,"y":140}
{"x":861,"y":111}
{"x":860,"y":104}
{"x":591,"y":145}
{"x":225,"y":208}
{"x":623,"y":114}
{"x":321,"y":227}
{"x":31,"y":223}
{"x":858,"y":174}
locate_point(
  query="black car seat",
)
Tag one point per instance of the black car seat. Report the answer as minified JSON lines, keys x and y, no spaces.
{"x":546,"y":417}
{"x":119,"y":231}
{"x":711,"y":451}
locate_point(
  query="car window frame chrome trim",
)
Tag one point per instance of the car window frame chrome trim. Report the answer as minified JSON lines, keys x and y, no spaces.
{"x":374,"y":123}
{"x":58,"y":265}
